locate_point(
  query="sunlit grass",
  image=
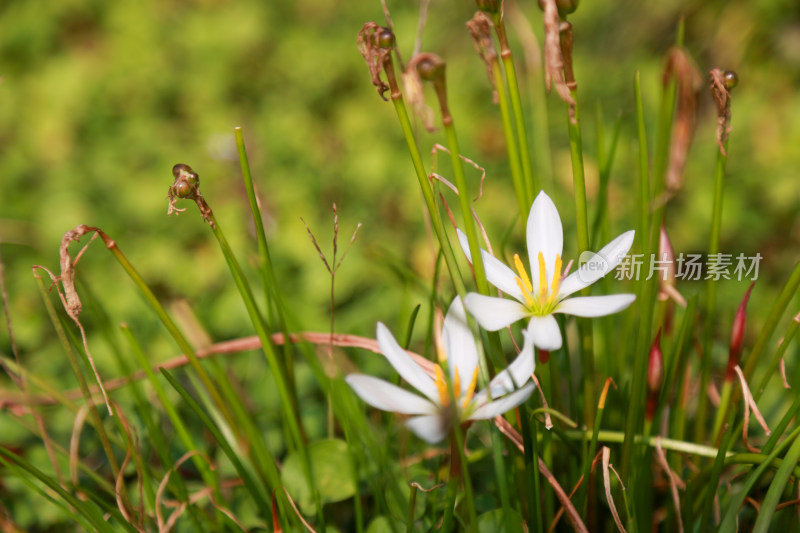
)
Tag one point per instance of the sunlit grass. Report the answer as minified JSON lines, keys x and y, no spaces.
{"x":675,"y":413}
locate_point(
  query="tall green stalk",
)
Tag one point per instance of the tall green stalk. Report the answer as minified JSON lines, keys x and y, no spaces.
{"x":582,"y":226}
{"x":710,"y":311}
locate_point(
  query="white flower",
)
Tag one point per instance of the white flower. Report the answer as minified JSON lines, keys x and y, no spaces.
{"x":544,"y":292}
{"x":433,"y":414}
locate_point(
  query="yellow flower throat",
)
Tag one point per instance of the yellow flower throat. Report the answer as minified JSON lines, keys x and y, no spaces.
{"x":543,"y":301}
{"x":441,"y":386}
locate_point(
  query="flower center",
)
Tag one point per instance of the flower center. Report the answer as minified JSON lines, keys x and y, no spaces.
{"x":441,"y":386}
{"x":542,"y":301}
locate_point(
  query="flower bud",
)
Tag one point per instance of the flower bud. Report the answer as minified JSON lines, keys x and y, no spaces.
{"x":731,"y":79}
{"x":385,"y":38}
{"x":737,"y":335}
{"x":430,"y":68}
{"x":186,"y":181}
{"x":655,"y":366}
{"x":655,"y":377}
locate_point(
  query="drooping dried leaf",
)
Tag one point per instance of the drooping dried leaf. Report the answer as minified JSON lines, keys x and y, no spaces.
{"x":674,"y":480}
{"x":480,"y":29}
{"x":606,"y":451}
{"x":750,"y":404}
{"x":688,"y":82}
{"x":553,"y":55}
{"x":374,"y":55}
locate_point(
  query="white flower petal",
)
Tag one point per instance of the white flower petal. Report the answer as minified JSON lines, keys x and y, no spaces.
{"x":545,"y":234}
{"x":408,"y":369}
{"x":494,"y":313}
{"x":498,"y":407}
{"x":592,"y":306}
{"x":598,"y":266}
{"x":431,"y":429}
{"x":515,"y":376}
{"x":497,"y":272}
{"x":388,"y":397}
{"x":459,"y":345}
{"x":544,"y":332}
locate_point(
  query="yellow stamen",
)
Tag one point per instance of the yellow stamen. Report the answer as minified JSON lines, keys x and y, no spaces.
{"x":456,"y":383}
{"x":556,"y":280}
{"x":525,"y":293}
{"x":542,"y":280}
{"x":523,"y":275}
{"x":523,"y":281}
{"x":470,"y":390}
{"x":441,"y":386}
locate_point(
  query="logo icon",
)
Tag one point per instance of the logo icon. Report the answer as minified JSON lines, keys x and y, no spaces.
{"x":592,"y":266}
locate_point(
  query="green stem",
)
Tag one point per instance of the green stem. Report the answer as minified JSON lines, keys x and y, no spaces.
{"x":531,"y":457}
{"x":93,"y":412}
{"x":511,"y":143}
{"x":267,"y":270}
{"x":531,"y":182}
{"x":427,"y":193}
{"x":582,"y":226}
{"x":172,"y":328}
{"x":710,"y":308}
{"x":261,"y":331}
{"x":466,"y":209}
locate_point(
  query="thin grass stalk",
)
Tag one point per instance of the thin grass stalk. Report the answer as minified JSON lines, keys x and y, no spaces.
{"x":532,"y":478}
{"x":267,"y":271}
{"x":600,"y":226}
{"x":646,"y":289}
{"x":291,"y":414}
{"x":255,"y":489}
{"x":73,"y":359}
{"x":769,"y":369}
{"x":209,"y":478}
{"x":82,"y":511}
{"x":707,"y":498}
{"x":422,"y":177}
{"x":778,"y":308}
{"x":729,"y":522}
{"x":766,"y":458}
{"x":582,"y":497}
{"x":143,"y":407}
{"x":531,"y":181}
{"x":231,"y":407}
{"x":520,"y":188}
{"x":582,"y":226}
{"x":466,"y":209}
{"x":548,"y":458}
{"x":512,"y":85}
{"x":644,"y":202}
{"x":673,"y":382}
{"x":771,"y":323}
{"x":710,"y":311}
{"x":458,"y":440}
{"x":257,"y":320}
{"x":498,"y":445}
{"x":90,"y":471}
{"x":172,"y":328}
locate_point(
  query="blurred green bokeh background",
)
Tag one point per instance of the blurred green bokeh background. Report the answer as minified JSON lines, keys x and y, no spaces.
{"x":99,"y":99}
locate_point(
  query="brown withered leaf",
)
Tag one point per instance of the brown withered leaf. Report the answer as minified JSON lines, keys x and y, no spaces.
{"x":480,"y":29}
{"x":553,"y":56}
{"x":688,"y":82}
{"x":374,"y":55}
